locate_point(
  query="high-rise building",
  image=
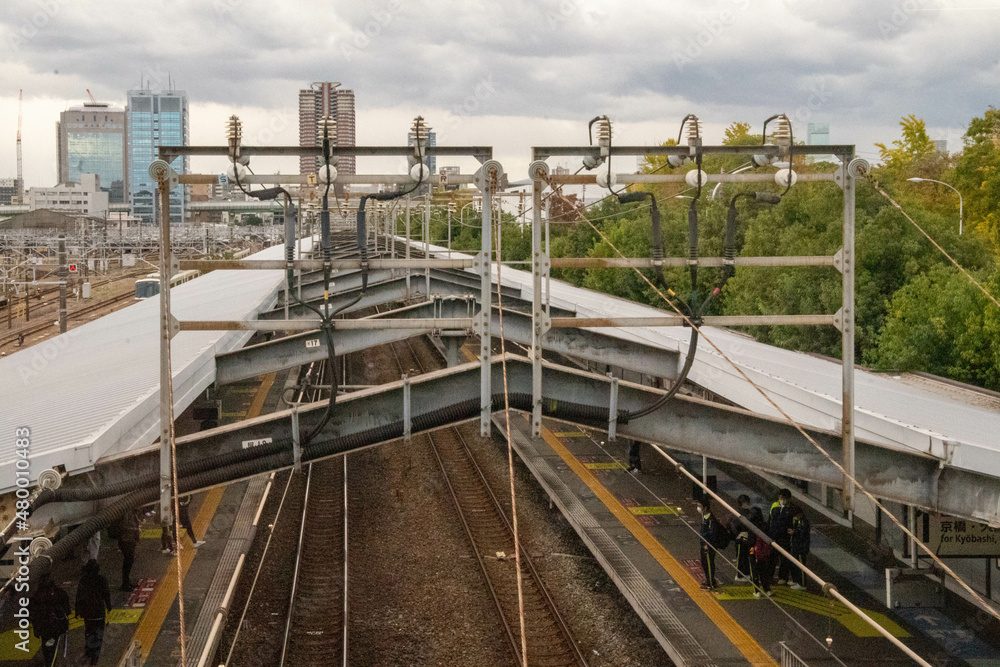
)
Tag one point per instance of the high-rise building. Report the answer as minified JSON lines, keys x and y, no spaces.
{"x":431,"y":160}
{"x":91,"y":140}
{"x":818,"y":134}
{"x":8,"y":190}
{"x":154,"y":120}
{"x":940,"y":145}
{"x":320,"y":100}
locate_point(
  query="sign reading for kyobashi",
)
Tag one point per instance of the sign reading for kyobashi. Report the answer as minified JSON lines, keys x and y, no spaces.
{"x":950,"y":536}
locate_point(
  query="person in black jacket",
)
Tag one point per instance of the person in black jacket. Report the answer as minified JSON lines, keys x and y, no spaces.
{"x":49,"y":610}
{"x":709,"y":533}
{"x":780,"y":530}
{"x":744,"y":539}
{"x":128,"y":539}
{"x":800,"y":548}
{"x":184,"y":518}
{"x":761,"y":558}
{"x":93,"y":601}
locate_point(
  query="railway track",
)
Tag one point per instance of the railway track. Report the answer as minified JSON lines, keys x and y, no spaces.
{"x":316,"y":628}
{"x":304,"y":600}
{"x":70,"y":315}
{"x":491,"y":537}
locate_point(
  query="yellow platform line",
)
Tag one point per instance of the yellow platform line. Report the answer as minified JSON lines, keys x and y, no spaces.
{"x":740,"y":638}
{"x":262,"y":391}
{"x":166,"y":590}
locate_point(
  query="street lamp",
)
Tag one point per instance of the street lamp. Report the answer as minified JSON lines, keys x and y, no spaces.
{"x":931,"y":180}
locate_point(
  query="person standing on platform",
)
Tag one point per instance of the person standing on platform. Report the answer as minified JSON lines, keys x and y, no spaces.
{"x":128,"y":540}
{"x":49,"y":609}
{"x":93,"y":601}
{"x":166,"y":538}
{"x":800,"y":548}
{"x":761,"y":558}
{"x":744,"y":539}
{"x":780,"y":530}
{"x":634,"y":458}
{"x":710,"y":536}
{"x":184,"y":518}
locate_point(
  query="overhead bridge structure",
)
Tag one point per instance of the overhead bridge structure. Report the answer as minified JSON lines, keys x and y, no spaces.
{"x":914,"y":446}
{"x":98,"y":412}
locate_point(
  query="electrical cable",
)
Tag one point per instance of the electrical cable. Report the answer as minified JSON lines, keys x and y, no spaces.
{"x":719,"y":552}
{"x":936,"y":245}
{"x":798,"y":427}
{"x":510,"y":451}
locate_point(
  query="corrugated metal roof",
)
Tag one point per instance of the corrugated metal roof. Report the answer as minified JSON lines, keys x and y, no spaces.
{"x":94,"y":391}
{"x":888,"y":411}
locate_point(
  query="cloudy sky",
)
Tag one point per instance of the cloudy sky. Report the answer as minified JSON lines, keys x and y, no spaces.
{"x":508,"y":74}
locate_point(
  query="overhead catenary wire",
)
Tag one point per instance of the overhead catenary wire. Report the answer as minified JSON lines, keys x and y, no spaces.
{"x":938,"y":246}
{"x":827,"y":587}
{"x":719,"y":551}
{"x":510,"y":448}
{"x":797,"y":426}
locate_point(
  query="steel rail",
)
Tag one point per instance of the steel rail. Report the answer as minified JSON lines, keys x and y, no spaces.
{"x":562,"y":629}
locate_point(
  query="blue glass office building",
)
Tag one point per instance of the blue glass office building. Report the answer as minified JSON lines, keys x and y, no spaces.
{"x":92,"y":141}
{"x":155,"y":119}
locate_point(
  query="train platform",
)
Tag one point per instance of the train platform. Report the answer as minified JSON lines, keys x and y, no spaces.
{"x":643,"y":529}
{"x":147,"y":620}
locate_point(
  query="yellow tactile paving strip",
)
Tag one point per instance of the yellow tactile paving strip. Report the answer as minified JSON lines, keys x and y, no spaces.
{"x":166,"y":591}
{"x":740,"y":638}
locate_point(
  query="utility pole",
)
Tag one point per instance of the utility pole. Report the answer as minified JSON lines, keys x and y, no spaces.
{"x":62,"y":283}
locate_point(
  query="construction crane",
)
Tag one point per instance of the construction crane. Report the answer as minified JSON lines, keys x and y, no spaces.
{"x":19,"y":194}
{"x":91,"y":95}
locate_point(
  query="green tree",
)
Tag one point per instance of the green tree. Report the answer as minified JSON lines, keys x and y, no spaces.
{"x":942,"y":324}
{"x":911,"y":148}
{"x":978,"y":175}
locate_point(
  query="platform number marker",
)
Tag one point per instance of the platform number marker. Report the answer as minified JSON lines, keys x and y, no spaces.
{"x":312,"y":342}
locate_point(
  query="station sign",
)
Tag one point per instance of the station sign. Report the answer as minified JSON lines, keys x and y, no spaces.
{"x":951,"y":537}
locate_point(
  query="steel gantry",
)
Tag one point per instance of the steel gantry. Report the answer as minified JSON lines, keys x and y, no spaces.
{"x":542,"y":323}
{"x":489,"y":179}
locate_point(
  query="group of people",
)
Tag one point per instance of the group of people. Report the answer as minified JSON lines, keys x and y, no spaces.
{"x":50,"y":607}
{"x":786,"y":525}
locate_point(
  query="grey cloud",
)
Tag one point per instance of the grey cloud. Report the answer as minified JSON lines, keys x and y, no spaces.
{"x":556,"y":58}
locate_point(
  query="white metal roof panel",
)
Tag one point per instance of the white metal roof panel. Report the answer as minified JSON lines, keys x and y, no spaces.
{"x":888,"y":411}
{"x":94,"y":391}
